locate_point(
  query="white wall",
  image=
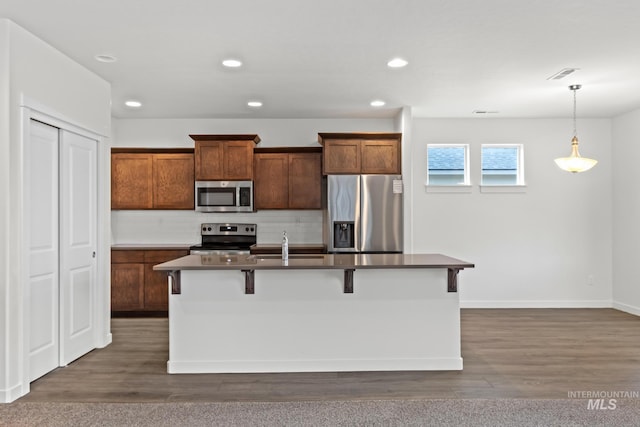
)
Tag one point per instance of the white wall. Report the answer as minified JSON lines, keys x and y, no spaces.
{"x":6,"y":334}
{"x":626,"y":211}
{"x":531,"y":249}
{"x":148,"y":227}
{"x":37,"y":77}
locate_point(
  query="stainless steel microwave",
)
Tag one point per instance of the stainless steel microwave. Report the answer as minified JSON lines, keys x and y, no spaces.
{"x":224,"y":196}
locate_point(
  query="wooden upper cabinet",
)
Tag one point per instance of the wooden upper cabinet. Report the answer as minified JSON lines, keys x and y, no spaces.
{"x":361,"y":153}
{"x":131,"y":181}
{"x":305,"y":181}
{"x":224,"y":157}
{"x":380,"y":156}
{"x":152,"y":179}
{"x":238,"y":160}
{"x":271,"y":186}
{"x":209,"y":157}
{"x":288,"y":179}
{"x":173,"y":181}
{"x":342,"y":156}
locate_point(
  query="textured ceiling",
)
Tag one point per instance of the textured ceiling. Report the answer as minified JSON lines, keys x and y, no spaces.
{"x":327,"y":58}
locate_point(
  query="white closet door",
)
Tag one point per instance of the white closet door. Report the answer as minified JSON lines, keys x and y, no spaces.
{"x":42,"y":294}
{"x":78,"y":218}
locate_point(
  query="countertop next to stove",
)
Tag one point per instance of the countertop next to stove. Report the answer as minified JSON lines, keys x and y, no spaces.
{"x":150,"y":246}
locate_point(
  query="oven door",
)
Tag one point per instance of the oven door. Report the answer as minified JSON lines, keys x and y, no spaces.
{"x":224,"y":196}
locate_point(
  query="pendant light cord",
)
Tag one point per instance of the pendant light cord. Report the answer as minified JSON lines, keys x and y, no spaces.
{"x":575,"y":132}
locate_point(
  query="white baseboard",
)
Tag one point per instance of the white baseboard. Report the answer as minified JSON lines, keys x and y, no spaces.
{"x":626,"y":308}
{"x":538,"y":304}
{"x":333,"y":365}
{"x":11,"y":394}
{"x":108,"y":339}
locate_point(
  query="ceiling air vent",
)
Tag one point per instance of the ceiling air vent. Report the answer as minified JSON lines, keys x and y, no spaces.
{"x":563,"y":73}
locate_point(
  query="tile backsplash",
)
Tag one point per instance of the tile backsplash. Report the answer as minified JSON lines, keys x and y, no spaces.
{"x":183,"y":227}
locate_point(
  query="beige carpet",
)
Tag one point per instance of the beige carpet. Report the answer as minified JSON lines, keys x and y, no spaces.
{"x":441,"y":412}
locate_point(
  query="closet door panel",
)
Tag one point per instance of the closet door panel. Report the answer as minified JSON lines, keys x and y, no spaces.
{"x":42,"y":253}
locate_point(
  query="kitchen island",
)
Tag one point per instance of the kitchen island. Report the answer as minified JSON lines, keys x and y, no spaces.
{"x":314,"y":312}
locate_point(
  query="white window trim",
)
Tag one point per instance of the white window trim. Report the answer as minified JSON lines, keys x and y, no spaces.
{"x":448,"y":188}
{"x":458,"y":188}
{"x":497,"y":188}
{"x":519,"y":187}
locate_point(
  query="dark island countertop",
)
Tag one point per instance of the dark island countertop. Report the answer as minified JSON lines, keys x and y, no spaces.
{"x":312,"y":261}
{"x":248,"y":264}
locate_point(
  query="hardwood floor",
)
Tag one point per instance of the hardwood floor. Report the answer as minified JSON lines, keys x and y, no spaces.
{"x":508,"y":353}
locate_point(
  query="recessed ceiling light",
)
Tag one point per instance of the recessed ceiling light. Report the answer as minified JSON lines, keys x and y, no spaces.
{"x":562,"y":73}
{"x":377,"y":103}
{"x":397,"y":63}
{"x":254,"y":104}
{"x":132,"y":103}
{"x":105,"y":58}
{"x":232,"y":63}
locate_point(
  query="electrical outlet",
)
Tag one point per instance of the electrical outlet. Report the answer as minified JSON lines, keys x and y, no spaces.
{"x":590,"y":280}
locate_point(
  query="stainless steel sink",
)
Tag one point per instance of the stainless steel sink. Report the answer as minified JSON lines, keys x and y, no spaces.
{"x":291,"y":256}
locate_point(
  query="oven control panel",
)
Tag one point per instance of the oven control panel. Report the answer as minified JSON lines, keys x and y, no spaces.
{"x":215,"y":229}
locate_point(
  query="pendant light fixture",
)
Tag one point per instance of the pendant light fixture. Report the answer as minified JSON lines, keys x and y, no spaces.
{"x":575,"y":163}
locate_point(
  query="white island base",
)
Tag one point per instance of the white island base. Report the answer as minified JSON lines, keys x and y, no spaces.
{"x":302,"y":321}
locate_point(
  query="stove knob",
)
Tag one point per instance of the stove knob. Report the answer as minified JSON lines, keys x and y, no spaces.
{"x":204,"y":228}
{"x":251,"y":228}
{"x":209,"y":229}
{"x":246,"y":229}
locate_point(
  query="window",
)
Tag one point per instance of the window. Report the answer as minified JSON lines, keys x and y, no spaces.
{"x":447,"y":164}
{"x":502,"y":165}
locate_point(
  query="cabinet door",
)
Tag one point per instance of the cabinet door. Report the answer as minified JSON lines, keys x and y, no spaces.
{"x":209,"y":157}
{"x":173,"y":181}
{"x":271,"y":181}
{"x":380,"y":156}
{"x":342,"y":156}
{"x":156,"y":292}
{"x":305,"y":181}
{"x":131,"y":181}
{"x":238,"y":160}
{"x":127,"y":287}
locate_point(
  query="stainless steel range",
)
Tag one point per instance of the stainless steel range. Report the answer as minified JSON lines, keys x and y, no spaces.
{"x":225,"y":239}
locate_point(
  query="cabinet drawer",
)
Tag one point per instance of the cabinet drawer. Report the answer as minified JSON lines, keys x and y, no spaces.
{"x":126,"y":256}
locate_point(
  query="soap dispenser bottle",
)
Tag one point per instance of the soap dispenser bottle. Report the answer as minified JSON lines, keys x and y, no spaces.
{"x":285,"y":246}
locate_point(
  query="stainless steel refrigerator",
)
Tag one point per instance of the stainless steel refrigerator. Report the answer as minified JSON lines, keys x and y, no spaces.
{"x":364,"y":214}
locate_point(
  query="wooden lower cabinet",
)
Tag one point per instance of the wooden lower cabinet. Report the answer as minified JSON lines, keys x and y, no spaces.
{"x":127,"y":289}
{"x":156,"y":297}
{"x":135,"y":286}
